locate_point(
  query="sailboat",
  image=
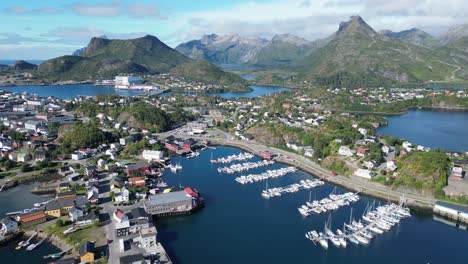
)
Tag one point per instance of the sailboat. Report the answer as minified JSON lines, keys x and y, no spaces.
{"x":265,"y":192}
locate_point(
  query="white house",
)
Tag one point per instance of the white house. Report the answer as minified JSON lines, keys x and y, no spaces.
{"x":345,"y":151}
{"x":101,"y":163}
{"x":391,"y":166}
{"x":363,"y":131}
{"x":77,"y":155}
{"x":385,"y":149}
{"x":8,"y":225}
{"x":75,"y":212}
{"x":364,"y":173}
{"x":407,"y":146}
{"x":150,"y":155}
{"x":33,"y":124}
{"x":309,"y":152}
{"x":122,"y":197}
{"x":119,"y":216}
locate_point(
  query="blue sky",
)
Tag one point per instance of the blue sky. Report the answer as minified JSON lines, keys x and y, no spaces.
{"x":33,"y":29}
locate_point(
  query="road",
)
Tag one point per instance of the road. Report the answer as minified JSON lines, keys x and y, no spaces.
{"x":351,"y":182}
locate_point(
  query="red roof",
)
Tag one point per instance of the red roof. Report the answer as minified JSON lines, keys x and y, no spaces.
{"x":135,"y":179}
{"x":32,"y":217}
{"x":362,"y":150}
{"x":118,"y":213}
{"x":190,"y":192}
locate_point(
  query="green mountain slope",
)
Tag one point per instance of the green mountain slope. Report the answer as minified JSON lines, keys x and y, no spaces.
{"x":107,"y":58}
{"x":359,"y":56}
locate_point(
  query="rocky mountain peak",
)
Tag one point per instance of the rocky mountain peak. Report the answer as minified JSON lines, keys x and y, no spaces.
{"x":355,"y":25}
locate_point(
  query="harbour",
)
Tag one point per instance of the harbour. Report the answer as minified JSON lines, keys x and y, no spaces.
{"x":229,"y":203}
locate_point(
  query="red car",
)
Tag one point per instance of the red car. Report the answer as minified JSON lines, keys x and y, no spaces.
{"x":333,"y":173}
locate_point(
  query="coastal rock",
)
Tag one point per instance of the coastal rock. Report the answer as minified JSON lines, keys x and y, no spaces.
{"x":22,"y":65}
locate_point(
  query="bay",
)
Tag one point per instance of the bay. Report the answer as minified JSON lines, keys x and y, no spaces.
{"x":16,"y":199}
{"x":446,"y":130}
{"x":237,"y":225}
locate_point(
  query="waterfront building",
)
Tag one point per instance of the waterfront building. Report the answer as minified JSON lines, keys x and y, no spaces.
{"x":87,"y":251}
{"x":173,"y":203}
{"x":31,"y":219}
{"x":62,"y":206}
{"x":124,"y":82}
{"x":8,"y":225}
{"x":345,"y":151}
{"x":151,"y":155}
{"x":453,"y":211}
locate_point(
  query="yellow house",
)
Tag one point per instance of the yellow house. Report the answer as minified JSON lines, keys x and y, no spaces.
{"x":87,"y":252}
{"x":61,"y":206}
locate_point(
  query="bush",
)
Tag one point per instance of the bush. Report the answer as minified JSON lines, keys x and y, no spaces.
{"x":59,"y":223}
{"x":26,"y":168}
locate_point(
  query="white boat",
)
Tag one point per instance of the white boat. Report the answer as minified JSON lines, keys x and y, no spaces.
{"x":323,"y":242}
{"x":70,"y":230}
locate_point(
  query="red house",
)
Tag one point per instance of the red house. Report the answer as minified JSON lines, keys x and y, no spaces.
{"x":135,"y":168}
{"x":171,"y":146}
{"x":267,"y":155}
{"x":137,"y":181}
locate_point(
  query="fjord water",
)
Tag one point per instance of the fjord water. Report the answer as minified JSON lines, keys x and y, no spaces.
{"x":237,"y":225}
{"x":16,"y":199}
{"x":446,"y":130}
{"x":72,"y":91}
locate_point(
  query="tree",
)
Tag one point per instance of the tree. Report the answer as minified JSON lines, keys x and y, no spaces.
{"x":59,"y":223}
{"x":25,"y":168}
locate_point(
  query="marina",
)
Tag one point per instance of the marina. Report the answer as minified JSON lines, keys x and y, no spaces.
{"x":292,"y":188}
{"x":374,"y":222}
{"x":231,"y":158}
{"x":269,"y":174}
{"x":241,"y":167}
{"x":331,"y":203}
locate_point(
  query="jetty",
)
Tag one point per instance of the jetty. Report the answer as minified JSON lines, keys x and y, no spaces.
{"x":33,"y":246}
{"x":331,"y":203}
{"x":292,"y":188}
{"x":374,"y":222}
{"x":269,"y":174}
{"x":231,"y":158}
{"x":245,"y":166}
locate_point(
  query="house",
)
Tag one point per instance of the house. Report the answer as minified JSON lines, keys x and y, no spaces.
{"x":8,"y":225}
{"x":403,"y":153}
{"x":78,"y":155}
{"x":40,"y":155}
{"x":102,"y":163}
{"x":87,"y":252}
{"x":148,"y":237}
{"x":188,"y":144}
{"x":246,"y":137}
{"x":62,"y":206}
{"x":122,"y":228}
{"x":345,"y":151}
{"x":23,"y":157}
{"x":151,"y":155}
{"x":309,"y":152}
{"x":93,"y":196}
{"x":135,"y":168}
{"x":363,"y":173}
{"x":362,"y":151}
{"x":391,"y":166}
{"x":122,"y":197}
{"x":137,"y":181}
{"x":125,"y":140}
{"x":31,"y":218}
{"x":370,"y":164}
{"x":90,"y":170}
{"x":407,"y":146}
{"x":75,"y":213}
{"x":385,"y":149}
{"x":116,"y":184}
{"x":363,"y":131}
{"x":33,"y":125}
{"x":119,"y":216}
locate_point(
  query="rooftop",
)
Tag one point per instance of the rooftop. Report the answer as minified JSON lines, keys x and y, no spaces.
{"x":170,"y":197}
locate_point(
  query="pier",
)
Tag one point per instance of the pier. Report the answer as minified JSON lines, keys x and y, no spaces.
{"x":333,"y":202}
{"x":269,"y":174}
{"x":245,"y":166}
{"x":292,"y":188}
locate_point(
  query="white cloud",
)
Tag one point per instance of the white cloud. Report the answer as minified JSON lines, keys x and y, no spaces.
{"x":81,"y":35}
{"x":136,"y":9}
{"x":319,"y":18}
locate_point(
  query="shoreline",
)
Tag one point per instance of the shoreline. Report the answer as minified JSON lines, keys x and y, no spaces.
{"x":393,"y":195}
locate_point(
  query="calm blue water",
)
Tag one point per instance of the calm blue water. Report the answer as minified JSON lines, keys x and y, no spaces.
{"x":434,"y":129}
{"x":70,"y":91}
{"x":257,"y":90}
{"x":249,"y":77}
{"x":239,"y":226}
{"x":12,"y":62}
{"x":16,"y":199}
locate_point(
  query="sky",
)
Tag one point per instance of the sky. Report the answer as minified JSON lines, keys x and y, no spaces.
{"x":33,"y":29}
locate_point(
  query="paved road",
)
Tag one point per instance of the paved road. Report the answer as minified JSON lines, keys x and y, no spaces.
{"x":350,"y":182}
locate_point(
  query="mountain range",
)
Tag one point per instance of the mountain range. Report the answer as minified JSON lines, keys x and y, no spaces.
{"x":106,"y":58}
{"x":354,"y":52}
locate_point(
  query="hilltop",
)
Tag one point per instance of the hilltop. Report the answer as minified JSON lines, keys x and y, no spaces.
{"x":105,"y":58}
